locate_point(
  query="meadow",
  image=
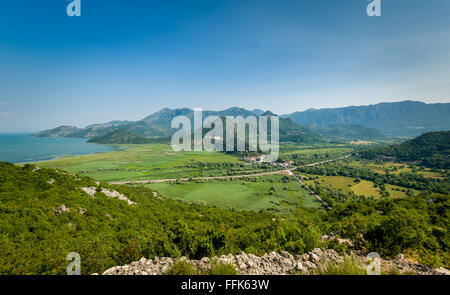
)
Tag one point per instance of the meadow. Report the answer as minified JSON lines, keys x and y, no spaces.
{"x":267,"y":192}
{"x":158,"y":161}
{"x":397,"y":168}
{"x":363,"y":188}
{"x":316,"y":150}
{"x":142,"y":162}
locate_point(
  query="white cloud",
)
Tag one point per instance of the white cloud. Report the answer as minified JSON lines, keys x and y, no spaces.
{"x":5,"y":114}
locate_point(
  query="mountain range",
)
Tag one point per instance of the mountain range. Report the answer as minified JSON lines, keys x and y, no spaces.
{"x":155,"y":125}
{"x":407,"y":118}
{"x":348,"y":132}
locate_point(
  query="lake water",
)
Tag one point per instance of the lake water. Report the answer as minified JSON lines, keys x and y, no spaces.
{"x":21,"y":148}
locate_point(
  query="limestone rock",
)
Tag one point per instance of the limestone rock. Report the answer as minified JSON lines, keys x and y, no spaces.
{"x":273,"y":263}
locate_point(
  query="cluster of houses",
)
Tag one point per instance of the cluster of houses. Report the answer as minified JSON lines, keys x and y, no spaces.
{"x":260,"y":160}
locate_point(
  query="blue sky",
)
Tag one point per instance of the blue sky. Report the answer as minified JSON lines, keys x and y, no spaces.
{"x":127,"y":59}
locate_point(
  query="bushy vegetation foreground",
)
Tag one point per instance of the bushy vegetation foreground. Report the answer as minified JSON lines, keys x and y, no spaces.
{"x":36,"y":236}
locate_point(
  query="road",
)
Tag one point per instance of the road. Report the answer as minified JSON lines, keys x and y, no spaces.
{"x":312,"y":192}
{"x":309,"y":189}
{"x":285,"y":172}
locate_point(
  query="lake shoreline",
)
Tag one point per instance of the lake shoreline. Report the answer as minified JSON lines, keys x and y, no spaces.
{"x":23,"y":148}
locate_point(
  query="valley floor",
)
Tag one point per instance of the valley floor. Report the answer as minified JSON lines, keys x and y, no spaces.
{"x":226,"y":181}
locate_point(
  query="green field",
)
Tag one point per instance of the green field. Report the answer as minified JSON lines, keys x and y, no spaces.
{"x":241,"y":195}
{"x":317,"y":151}
{"x":340,"y":182}
{"x":364,"y":188}
{"x":153,"y":161}
{"x":158,"y":161}
{"x":396,"y":169}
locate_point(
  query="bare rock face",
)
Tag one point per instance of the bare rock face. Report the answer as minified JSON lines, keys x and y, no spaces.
{"x":282,"y":263}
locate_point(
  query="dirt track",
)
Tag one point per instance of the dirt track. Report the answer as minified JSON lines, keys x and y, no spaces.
{"x":286,"y":172}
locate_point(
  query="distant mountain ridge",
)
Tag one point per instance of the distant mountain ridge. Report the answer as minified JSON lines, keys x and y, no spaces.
{"x":348,"y":132}
{"x":406,"y":118}
{"x":61,"y":131}
{"x":155,"y":125}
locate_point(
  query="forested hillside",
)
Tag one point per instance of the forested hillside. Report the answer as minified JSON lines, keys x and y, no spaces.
{"x":47,"y":213}
{"x":430,"y":149}
{"x":37,"y":233}
{"x":120,"y":136}
{"x":292,"y":132}
{"x":348,"y":132}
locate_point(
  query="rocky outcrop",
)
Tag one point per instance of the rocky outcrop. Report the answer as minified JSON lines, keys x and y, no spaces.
{"x":115,"y":194}
{"x":282,"y":263}
{"x":92,"y":190}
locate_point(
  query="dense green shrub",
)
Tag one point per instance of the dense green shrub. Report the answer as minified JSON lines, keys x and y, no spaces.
{"x":35,"y":238}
